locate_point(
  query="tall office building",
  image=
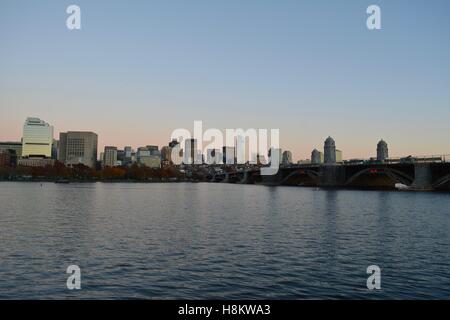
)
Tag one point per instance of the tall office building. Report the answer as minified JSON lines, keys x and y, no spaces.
{"x":275,"y":155}
{"x":241,"y":150}
{"x":77,"y":147}
{"x":55,"y":145}
{"x":145,"y":158}
{"x":173,"y":143}
{"x":154,"y":150}
{"x":142,"y":154}
{"x":110,"y":157}
{"x":382,"y":150}
{"x":190,"y":152}
{"x":329,"y":151}
{"x":37,"y":138}
{"x":229,"y":155}
{"x":166,"y":154}
{"x":120,"y":157}
{"x":339,"y":156}
{"x":128,"y":156}
{"x":316,"y":157}
{"x":213,"y":156}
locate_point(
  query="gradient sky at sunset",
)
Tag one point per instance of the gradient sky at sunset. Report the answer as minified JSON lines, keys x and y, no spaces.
{"x":139,"y":69}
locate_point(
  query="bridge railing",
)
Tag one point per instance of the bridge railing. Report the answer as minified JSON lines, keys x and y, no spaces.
{"x":420,"y":159}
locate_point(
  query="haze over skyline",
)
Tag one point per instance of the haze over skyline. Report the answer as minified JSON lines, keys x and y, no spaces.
{"x":137,"y":71}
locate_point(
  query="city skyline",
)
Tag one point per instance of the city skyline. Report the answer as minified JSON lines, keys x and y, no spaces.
{"x":294,"y":67}
{"x":381,"y":147}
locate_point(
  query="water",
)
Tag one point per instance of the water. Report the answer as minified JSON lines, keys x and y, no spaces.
{"x":220,"y":241}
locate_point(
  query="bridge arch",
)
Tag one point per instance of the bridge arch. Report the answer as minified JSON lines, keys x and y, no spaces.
{"x":394,"y":174}
{"x":441,"y":181}
{"x":314,"y":175}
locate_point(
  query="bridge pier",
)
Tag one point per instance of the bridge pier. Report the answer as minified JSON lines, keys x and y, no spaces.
{"x":423,"y":179}
{"x":331,"y":176}
{"x":272,"y":180}
{"x":416,"y":176}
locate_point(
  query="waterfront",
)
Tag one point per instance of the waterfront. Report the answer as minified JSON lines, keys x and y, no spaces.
{"x":213,"y":241}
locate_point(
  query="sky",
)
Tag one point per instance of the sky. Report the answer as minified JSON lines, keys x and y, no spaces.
{"x":137,"y":70}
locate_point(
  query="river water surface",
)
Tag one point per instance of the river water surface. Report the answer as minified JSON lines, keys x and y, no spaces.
{"x":220,"y":241}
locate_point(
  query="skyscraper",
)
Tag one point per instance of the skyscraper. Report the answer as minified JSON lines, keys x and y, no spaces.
{"x":228,"y":155}
{"x":37,"y":138}
{"x":316,"y":157}
{"x":173,"y":143}
{"x":78,"y":148}
{"x":190,"y":152}
{"x":339,"y":156}
{"x":382,"y":150}
{"x":275,"y":156}
{"x":145,"y":158}
{"x":287,"y":158}
{"x":110,"y":156}
{"x":128,"y":153}
{"x":329,"y":151}
{"x":153,"y":149}
{"x":213,"y":156}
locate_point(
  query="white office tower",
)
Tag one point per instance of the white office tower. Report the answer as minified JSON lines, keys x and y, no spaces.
{"x":37,"y":138}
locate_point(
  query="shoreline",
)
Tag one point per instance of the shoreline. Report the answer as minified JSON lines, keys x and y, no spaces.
{"x":328,"y":188}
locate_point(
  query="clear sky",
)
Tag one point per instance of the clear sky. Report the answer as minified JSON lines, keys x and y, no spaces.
{"x":139,"y":69}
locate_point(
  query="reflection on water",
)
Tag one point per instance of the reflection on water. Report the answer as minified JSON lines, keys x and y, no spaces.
{"x":218,"y":241}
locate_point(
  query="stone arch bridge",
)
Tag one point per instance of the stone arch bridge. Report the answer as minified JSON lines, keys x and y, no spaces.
{"x":417,"y":176}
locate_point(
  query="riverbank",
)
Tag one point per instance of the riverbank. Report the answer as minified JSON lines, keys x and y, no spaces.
{"x":155,"y":181}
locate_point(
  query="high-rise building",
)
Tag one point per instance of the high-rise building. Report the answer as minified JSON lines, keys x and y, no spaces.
{"x":110,"y":156}
{"x":214,"y":156}
{"x":120,"y":157}
{"x":154,"y":150}
{"x":339,"y":156}
{"x":37,"y":138}
{"x":190,"y":152}
{"x":329,"y":151}
{"x":173,"y":143}
{"x":142,"y":153}
{"x":145,"y":158}
{"x":128,"y":154}
{"x":287,"y":158}
{"x":240,"y":149}
{"x":166,"y":154}
{"x":77,"y":147}
{"x":382,"y":150}
{"x":229,"y":155}
{"x":275,"y":156}
{"x":55,"y":145}
{"x":316,"y":157}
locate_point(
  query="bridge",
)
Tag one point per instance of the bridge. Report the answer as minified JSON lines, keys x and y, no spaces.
{"x":413,"y":175}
